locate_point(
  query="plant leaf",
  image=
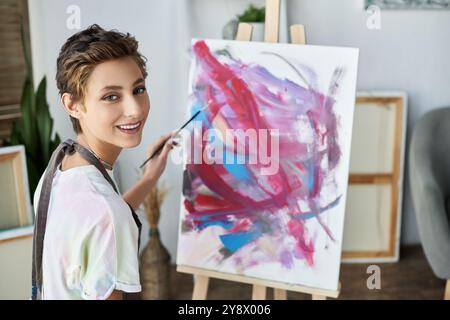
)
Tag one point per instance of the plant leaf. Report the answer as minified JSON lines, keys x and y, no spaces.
{"x":34,"y":128}
{"x":43,"y":120}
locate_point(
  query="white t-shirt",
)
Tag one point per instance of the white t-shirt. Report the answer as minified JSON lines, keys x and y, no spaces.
{"x":91,"y":238}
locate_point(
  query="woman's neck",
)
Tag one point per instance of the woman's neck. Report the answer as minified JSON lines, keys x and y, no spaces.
{"x":104,"y":151}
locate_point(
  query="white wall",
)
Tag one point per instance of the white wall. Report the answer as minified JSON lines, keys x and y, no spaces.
{"x":15,"y":270}
{"x":408,"y":53}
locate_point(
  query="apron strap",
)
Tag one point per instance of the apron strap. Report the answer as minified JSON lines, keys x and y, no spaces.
{"x":67,"y":147}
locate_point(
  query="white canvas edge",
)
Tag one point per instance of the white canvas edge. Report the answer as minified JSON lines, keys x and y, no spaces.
{"x":281,"y":44}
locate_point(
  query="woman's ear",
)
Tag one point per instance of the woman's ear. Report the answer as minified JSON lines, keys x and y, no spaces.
{"x":71,"y":106}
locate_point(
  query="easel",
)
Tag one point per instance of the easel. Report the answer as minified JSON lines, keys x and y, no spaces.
{"x":259,"y":285}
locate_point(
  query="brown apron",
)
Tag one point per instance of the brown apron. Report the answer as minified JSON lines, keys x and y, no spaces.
{"x":67,"y":147}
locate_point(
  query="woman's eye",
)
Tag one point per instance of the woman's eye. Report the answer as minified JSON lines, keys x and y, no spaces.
{"x":140,"y":90}
{"x":111,"y":97}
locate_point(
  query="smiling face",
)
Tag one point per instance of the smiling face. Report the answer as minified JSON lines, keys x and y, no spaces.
{"x":116,"y":104}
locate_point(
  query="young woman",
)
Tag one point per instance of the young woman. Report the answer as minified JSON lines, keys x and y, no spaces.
{"x":90,"y":249}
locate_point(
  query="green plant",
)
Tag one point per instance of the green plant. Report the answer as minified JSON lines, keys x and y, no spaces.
{"x":253,"y":14}
{"x":34,"y":128}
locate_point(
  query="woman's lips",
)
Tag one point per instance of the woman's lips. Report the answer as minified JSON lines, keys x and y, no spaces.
{"x":130,"y":128}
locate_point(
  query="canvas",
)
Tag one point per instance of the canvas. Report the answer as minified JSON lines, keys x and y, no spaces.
{"x":266,"y":163}
{"x":409,"y":4}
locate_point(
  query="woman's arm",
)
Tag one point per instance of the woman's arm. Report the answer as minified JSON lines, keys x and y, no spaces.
{"x":153,"y":170}
{"x":137,"y":193}
{"x":116,"y":295}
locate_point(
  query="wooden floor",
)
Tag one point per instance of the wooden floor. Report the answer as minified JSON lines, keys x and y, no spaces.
{"x":411,"y":278}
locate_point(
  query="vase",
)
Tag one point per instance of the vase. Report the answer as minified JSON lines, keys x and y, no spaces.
{"x":155,"y":269}
{"x":257,"y":31}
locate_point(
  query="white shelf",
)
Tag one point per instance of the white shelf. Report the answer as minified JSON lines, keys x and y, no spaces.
{"x":16,"y":232}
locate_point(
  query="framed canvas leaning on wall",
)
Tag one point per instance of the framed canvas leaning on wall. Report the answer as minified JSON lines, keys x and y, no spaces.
{"x":374,"y":200}
{"x":16,"y":215}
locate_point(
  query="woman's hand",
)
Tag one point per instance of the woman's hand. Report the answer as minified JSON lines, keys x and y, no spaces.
{"x":155,"y":167}
{"x":152,"y":171}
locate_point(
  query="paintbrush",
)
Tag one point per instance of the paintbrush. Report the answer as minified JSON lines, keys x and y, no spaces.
{"x":158,"y":150}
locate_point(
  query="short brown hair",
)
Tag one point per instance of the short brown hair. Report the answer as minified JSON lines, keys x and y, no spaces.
{"x":86,"y":49}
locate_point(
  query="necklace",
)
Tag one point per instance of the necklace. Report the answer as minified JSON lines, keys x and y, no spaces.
{"x":105,"y":164}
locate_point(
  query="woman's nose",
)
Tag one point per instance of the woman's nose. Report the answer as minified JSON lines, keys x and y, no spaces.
{"x":133,"y":107}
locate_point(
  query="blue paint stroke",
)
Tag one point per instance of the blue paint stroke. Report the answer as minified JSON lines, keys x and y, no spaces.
{"x":224,"y":224}
{"x":235,"y":241}
{"x":309,"y":215}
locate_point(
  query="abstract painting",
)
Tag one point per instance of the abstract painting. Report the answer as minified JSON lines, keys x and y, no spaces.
{"x":409,"y":4}
{"x":266,"y":162}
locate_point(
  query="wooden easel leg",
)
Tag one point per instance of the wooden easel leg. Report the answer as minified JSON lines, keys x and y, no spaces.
{"x":279,"y":294}
{"x":259,"y":292}
{"x":318,"y":297}
{"x":298,"y":34}
{"x":244,"y":32}
{"x":200,"y":287}
{"x":272,"y":23}
{"x":447,"y":290}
